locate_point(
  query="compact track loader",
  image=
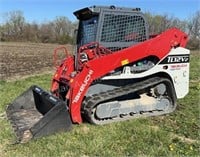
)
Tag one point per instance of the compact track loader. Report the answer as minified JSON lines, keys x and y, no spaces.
{"x":117,"y":73}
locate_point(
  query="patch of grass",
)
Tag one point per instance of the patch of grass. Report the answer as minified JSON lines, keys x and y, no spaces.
{"x":175,"y":134}
{"x":10,"y":90}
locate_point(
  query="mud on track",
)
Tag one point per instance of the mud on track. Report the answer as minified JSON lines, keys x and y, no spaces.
{"x":22,"y":59}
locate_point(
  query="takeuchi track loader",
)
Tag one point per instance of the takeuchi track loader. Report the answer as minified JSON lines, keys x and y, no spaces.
{"x":117,"y":73}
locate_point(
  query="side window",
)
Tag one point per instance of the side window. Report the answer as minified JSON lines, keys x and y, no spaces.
{"x":123,"y":28}
{"x":87,"y":31}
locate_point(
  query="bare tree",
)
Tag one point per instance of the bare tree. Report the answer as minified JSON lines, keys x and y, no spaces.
{"x":62,"y":28}
{"x":61,"y":25}
{"x":15,"y":24}
{"x":157,"y":23}
{"x":31,"y":32}
{"x":46,"y":34}
{"x":194,"y":31}
{"x":194,"y":25}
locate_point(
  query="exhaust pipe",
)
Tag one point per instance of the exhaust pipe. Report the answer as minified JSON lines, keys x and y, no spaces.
{"x":37,"y":113}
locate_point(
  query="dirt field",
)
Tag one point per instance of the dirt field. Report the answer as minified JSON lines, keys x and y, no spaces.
{"x":22,"y":59}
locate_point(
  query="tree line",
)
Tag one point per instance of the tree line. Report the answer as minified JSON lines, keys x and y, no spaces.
{"x":159,"y":23}
{"x":16,"y":28}
{"x":61,"y":29}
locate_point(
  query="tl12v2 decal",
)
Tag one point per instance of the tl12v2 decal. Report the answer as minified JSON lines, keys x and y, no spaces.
{"x":172,"y":59}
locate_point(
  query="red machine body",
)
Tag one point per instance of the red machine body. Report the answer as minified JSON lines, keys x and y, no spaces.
{"x":100,"y":65}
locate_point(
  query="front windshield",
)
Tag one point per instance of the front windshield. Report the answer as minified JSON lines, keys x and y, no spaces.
{"x":87,"y":31}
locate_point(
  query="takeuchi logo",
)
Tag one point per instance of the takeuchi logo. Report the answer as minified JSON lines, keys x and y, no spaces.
{"x":83,"y":86}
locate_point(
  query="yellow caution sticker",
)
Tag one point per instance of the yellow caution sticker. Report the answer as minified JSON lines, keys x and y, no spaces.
{"x":71,"y":80}
{"x":124,"y":62}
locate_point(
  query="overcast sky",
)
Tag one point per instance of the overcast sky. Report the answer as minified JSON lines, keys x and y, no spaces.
{"x":46,"y":10}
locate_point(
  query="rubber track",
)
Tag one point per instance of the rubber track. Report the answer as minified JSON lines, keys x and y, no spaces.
{"x":91,"y":102}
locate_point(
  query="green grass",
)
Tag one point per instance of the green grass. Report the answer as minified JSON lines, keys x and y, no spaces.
{"x":175,"y":134}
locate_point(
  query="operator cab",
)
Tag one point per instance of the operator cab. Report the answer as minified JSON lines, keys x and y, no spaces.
{"x":112,"y":27}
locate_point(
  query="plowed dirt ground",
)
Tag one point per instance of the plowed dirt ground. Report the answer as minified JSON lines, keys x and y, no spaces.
{"x":24,"y":59}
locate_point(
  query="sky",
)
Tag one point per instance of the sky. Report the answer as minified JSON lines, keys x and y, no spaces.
{"x":46,"y":10}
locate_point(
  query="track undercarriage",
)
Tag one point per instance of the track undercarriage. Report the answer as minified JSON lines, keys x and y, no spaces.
{"x":150,"y":97}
